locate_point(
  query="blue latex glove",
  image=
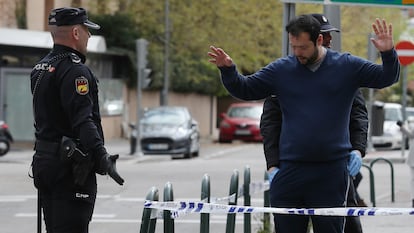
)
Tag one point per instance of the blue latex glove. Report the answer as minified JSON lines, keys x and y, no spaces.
{"x":272,"y":174}
{"x":354,"y":162}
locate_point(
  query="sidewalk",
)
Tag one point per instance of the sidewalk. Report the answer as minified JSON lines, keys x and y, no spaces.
{"x":383,"y":194}
{"x":395,"y":156}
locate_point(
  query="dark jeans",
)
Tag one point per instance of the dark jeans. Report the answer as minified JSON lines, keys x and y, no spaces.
{"x":353,"y":224}
{"x":309,"y":185}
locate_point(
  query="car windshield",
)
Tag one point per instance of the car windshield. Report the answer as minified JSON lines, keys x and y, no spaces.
{"x":393,"y":114}
{"x":410,"y":113}
{"x":245,"y":112}
{"x":164,"y":116}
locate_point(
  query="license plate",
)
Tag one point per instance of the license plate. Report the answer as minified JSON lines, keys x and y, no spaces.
{"x":242,"y":132}
{"x":158,"y":146}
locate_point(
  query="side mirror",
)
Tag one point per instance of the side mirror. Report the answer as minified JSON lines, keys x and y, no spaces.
{"x":194,"y":124}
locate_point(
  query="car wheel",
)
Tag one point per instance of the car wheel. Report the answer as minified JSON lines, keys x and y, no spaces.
{"x":221,"y":140}
{"x":187,"y":155}
{"x":196,"y":154}
{"x":4,"y":147}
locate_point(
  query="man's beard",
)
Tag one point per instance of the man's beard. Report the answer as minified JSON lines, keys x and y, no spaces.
{"x":312,"y":59}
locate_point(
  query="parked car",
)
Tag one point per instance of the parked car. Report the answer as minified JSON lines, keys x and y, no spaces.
{"x":410,"y":113}
{"x":169,"y":130}
{"x":5,"y":138}
{"x":392,"y":137}
{"x":410,"y":121}
{"x":241,"y":122}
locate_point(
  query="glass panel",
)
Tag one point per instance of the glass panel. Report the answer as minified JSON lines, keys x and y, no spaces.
{"x":110,"y":97}
{"x":18,"y":103}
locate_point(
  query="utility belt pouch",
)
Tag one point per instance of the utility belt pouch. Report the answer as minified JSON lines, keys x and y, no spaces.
{"x":81,"y":162}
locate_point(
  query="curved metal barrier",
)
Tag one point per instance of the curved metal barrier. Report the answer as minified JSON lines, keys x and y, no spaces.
{"x":371,"y":184}
{"x":148,"y":223}
{"x":392,"y":174}
{"x":168,"y":220}
{"x":247,"y":224}
{"x":372,"y":179}
{"x":205,"y":196}
{"x":149,"y":219}
{"x":234,"y":190}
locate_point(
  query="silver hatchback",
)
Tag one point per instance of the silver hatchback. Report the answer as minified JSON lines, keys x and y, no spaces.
{"x":169,"y":130}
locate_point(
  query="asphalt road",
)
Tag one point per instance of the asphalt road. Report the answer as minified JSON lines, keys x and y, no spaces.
{"x":119,"y":208}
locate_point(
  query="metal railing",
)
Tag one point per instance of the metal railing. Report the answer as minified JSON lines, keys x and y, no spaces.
{"x":149,"y":219}
{"x":372,"y":179}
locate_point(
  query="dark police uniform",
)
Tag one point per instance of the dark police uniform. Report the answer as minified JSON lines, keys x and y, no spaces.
{"x":65,"y":104}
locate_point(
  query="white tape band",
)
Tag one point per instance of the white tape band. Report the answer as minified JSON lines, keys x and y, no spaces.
{"x":201,"y":207}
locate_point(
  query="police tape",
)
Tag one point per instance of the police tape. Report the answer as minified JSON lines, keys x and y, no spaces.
{"x":183,"y":208}
{"x":254,"y":188}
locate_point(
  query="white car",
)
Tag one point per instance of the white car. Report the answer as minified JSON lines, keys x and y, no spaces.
{"x":392,"y":137}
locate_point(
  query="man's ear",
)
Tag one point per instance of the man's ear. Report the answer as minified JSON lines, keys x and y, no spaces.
{"x":319,"y":40}
{"x":75,"y":32}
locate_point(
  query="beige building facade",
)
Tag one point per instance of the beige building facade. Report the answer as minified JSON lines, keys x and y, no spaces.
{"x":203,"y":108}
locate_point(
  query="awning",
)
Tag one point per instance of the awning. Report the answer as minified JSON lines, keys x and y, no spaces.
{"x":41,"y":39}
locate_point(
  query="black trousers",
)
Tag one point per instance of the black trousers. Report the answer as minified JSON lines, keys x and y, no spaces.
{"x":353,"y":224}
{"x":309,"y":185}
{"x":67,"y":208}
{"x":66,"y":216}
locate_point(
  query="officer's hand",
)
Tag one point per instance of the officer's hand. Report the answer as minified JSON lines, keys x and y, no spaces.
{"x":272,"y":173}
{"x":354,"y":162}
{"x":108,"y":166}
{"x":399,"y":123}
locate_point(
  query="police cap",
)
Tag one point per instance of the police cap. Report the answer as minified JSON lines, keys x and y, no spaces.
{"x":70,"y":16}
{"x":325,"y":25}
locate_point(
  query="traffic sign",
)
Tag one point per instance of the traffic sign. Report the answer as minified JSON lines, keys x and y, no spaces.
{"x":405,"y":51}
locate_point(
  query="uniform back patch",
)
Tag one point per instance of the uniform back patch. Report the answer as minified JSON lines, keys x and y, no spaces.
{"x":82,"y":85}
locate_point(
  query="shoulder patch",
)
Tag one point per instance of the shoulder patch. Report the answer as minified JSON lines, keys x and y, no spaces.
{"x":82,"y":85}
{"x":75,"y":58}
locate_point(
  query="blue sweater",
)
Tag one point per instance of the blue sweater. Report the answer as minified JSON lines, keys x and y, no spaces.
{"x":315,"y":105}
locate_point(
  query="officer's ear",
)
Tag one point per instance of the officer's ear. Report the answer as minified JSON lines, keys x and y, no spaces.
{"x":76,"y":32}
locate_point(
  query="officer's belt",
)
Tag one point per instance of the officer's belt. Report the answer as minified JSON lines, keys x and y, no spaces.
{"x":47,"y":147}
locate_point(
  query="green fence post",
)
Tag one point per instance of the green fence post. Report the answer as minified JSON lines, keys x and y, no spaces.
{"x":168,"y":221}
{"x":231,"y":217}
{"x":148,"y":224}
{"x":205,"y":197}
{"x":266,"y":200}
{"x":391,"y":171}
{"x":246,"y":194}
{"x":371,"y":184}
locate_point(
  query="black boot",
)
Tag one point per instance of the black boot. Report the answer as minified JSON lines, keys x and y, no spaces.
{"x":413,"y":203}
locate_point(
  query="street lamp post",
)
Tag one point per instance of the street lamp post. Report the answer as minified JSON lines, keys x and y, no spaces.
{"x":164,"y":92}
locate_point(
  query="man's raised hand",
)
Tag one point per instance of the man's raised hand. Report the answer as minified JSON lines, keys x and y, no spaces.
{"x":383,"y":40}
{"x":219,"y":57}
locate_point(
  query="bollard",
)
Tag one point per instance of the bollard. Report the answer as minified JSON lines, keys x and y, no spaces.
{"x":371,"y":184}
{"x":246,"y":193}
{"x":148,"y":224}
{"x":205,"y":197}
{"x":391,"y":171}
{"x":266,"y":200}
{"x":231,"y":218}
{"x":168,"y":221}
{"x":133,"y":139}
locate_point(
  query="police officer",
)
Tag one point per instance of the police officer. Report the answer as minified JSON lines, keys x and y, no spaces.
{"x":69,"y":147}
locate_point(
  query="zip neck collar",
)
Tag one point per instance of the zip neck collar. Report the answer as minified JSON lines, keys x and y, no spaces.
{"x":57,"y":48}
